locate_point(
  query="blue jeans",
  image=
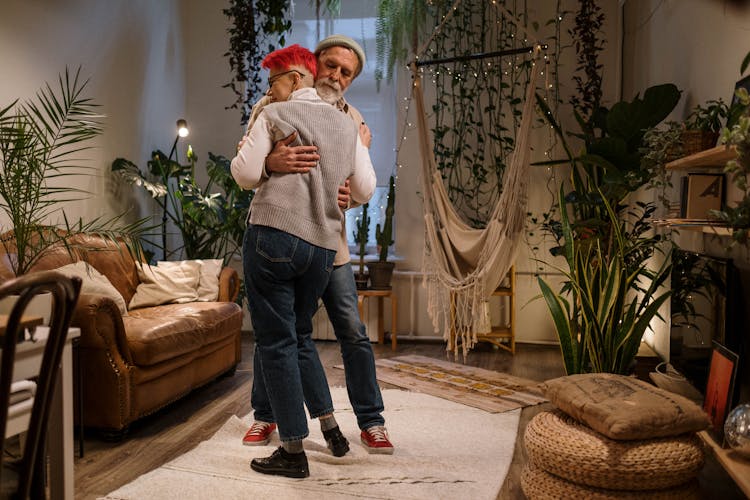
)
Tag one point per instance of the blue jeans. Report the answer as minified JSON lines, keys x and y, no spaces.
{"x":340,"y":299}
{"x":284,"y":277}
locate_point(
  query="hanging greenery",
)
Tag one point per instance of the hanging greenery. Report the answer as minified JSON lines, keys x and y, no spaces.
{"x":478,"y":102}
{"x":398,"y":29}
{"x":257,"y":28}
{"x":588,"y":40}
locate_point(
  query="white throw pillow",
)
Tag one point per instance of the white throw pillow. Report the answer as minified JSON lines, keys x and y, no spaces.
{"x":165,"y":285}
{"x":93,"y":282}
{"x":208,"y":284}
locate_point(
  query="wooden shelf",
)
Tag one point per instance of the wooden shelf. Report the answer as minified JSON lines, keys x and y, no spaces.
{"x":710,"y":158}
{"x":691,"y":225}
{"x":736,"y":466}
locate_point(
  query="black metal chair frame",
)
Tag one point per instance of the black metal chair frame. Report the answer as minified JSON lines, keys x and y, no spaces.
{"x":65,"y":293}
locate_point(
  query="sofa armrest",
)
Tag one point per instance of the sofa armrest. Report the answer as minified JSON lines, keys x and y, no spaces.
{"x":229,"y":285}
{"x":101,"y":326}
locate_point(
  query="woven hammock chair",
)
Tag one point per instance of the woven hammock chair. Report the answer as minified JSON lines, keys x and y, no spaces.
{"x":462,"y":265}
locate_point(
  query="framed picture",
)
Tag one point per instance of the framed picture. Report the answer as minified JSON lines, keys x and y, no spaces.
{"x":719,"y":388}
{"x":703,"y":193}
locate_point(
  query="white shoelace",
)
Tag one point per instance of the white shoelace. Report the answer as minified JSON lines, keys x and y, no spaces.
{"x":258,"y":428}
{"x":378,"y":433}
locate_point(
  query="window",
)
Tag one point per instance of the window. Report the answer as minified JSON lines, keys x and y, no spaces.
{"x":377,"y":107}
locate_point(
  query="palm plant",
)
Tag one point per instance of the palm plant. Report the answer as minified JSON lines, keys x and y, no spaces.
{"x":603,"y":310}
{"x":40,"y":141}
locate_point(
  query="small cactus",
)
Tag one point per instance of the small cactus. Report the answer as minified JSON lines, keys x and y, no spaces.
{"x":384,"y":237}
{"x":360,"y":236}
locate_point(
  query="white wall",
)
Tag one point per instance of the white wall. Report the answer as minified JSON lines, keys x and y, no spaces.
{"x":133,"y":54}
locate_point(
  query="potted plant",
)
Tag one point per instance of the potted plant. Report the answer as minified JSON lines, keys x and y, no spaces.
{"x":603,"y":309}
{"x":737,"y":134}
{"x":40,"y":141}
{"x":382,"y":270}
{"x":210,"y":218}
{"x":360,"y":238}
{"x":702,"y":126}
{"x":610,"y":294}
{"x":737,"y":217}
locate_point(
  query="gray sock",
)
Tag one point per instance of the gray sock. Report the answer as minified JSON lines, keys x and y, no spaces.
{"x":327,"y":423}
{"x":292,"y":446}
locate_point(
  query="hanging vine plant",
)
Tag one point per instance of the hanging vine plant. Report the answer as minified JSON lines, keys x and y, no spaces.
{"x":478,"y":102}
{"x":588,"y":40}
{"x":257,"y":28}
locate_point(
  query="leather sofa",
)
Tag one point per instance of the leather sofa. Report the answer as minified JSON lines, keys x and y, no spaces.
{"x":134,"y":365}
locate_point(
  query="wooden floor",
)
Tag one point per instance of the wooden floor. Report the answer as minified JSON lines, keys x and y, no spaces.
{"x":180,"y":427}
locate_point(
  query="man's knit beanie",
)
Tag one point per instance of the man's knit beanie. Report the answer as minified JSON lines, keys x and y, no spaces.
{"x":342,"y":41}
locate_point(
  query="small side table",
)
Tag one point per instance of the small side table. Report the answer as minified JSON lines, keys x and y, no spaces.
{"x":380,"y":294}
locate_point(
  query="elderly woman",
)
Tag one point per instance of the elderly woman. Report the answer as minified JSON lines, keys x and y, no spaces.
{"x":290,"y":243}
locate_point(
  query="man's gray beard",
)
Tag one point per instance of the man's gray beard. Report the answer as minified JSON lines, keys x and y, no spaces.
{"x":327,"y":93}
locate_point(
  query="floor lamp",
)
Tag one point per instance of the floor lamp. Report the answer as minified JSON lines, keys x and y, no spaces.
{"x":182,"y":131}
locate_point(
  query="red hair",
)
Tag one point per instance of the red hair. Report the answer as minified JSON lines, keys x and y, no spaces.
{"x":294,"y":55}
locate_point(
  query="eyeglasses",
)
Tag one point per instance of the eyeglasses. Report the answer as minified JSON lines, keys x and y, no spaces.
{"x":275,"y":78}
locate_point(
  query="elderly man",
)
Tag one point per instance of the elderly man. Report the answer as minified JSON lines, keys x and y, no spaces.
{"x":290,"y":245}
{"x":339,"y":60}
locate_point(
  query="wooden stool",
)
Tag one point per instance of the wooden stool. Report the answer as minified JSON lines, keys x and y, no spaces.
{"x":502,"y":336}
{"x":380,"y":294}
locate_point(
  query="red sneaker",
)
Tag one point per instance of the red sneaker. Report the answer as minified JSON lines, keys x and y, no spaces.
{"x":258,"y":434}
{"x":376,"y":440}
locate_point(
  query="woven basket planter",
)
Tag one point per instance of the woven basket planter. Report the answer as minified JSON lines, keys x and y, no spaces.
{"x":540,"y":485}
{"x":560,"y":445}
{"x":695,"y":141}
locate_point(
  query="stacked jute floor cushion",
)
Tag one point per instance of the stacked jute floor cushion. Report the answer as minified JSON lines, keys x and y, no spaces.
{"x":612,"y":436}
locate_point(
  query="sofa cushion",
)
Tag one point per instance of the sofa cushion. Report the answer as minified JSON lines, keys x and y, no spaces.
{"x":93,"y":282}
{"x":623,"y":407}
{"x":157,"y":334}
{"x":208,"y":282}
{"x":165,"y":285}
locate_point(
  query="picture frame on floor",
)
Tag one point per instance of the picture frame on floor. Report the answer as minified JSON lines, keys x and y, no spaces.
{"x":719,"y":388}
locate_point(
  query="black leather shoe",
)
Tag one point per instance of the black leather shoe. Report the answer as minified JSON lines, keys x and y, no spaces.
{"x":337,"y":443}
{"x":281,"y":463}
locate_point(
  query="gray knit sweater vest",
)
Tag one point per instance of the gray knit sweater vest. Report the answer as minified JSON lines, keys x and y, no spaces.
{"x":306,"y":205}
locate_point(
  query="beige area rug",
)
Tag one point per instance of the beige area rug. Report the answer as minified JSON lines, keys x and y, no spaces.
{"x":487,"y":390}
{"x":444,"y":450}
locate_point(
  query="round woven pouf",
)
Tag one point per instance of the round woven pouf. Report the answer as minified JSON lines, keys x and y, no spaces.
{"x":540,"y":485}
{"x":562,"y":446}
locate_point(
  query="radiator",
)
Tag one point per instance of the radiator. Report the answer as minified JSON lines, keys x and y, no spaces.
{"x":322,"y":329}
